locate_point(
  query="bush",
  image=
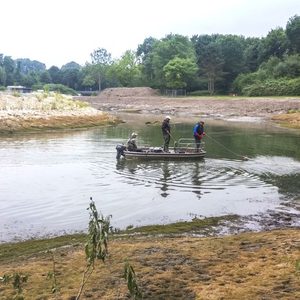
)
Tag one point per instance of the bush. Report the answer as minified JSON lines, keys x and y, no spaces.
{"x":273,"y":87}
{"x":200,"y":93}
{"x":60,"y":88}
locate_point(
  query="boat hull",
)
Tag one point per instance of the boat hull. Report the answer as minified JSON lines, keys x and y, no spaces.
{"x":164,"y":155}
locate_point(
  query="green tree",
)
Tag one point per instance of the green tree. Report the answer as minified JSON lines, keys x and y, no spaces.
{"x":127,"y":70}
{"x":232,"y":49}
{"x":31,"y":79}
{"x":9,"y":67}
{"x":45,"y":77}
{"x":274,"y":44}
{"x":70,"y":75}
{"x":179,"y":72}
{"x":144,"y":54}
{"x":17,"y":74}
{"x":98,"y":69}
{"x":289,"y":67}
{"x":251,"y":54}
{"x":209,"y":59}
{"x":2,"y":76}
{"x":55,"y":74}
{"x":293,"y":33}
{"x":167,"y":49}
{"x":101,"y":56}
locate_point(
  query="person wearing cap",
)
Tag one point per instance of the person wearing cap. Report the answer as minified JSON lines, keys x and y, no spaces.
{"x":131,"y":143}
{"x":198,"y":132}
{"x":166,"y":130}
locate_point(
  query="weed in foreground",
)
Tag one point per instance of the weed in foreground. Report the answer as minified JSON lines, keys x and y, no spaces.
{"x":96,"y":246}
{"x":132,"y":285}
{"x":18,"y":280}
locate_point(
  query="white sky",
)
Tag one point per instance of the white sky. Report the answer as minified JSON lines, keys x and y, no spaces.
{"x":56,"y":32}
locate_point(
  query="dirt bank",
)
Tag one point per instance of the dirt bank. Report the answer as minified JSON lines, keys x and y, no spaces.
{"x":253,"y":266}
{"x":39,"y":111}
{"x":146,"y":100}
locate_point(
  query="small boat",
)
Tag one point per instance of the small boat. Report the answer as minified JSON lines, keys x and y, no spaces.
{"x":183,"y":149}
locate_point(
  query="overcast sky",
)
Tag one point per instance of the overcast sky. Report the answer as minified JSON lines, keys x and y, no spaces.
{"x":56,"y":32}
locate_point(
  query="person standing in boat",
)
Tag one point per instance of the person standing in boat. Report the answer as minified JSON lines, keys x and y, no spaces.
{"x":166,"y":130}
{"x":199,"y":133}
{"x":131,"y":143}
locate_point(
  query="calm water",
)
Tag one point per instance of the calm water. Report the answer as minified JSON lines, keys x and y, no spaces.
{"x":47,"y":179}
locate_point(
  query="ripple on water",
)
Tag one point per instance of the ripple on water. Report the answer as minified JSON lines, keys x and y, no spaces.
{"x":46,"y":183}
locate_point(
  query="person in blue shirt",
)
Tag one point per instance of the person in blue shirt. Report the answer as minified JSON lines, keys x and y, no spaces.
{"x":198,"y":132}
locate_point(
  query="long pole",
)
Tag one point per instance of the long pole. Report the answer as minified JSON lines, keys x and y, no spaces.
{"x":241,"y":156}
{"x":175,"y":142}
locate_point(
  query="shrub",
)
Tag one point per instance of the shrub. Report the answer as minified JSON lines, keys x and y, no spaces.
{"x":274,"y":87}
{"x":59,"y":88}
{"x":200,"y":93}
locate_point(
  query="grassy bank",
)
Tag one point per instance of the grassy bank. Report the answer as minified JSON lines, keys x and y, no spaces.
{"x":263,"y":265}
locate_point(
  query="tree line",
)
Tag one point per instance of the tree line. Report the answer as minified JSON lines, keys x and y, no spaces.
{"x":200,"y":65}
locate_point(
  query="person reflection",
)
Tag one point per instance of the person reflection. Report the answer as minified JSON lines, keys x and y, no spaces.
{"x":164,"y":179}
{"x":123,"y":164}
{"x":196,"y":179}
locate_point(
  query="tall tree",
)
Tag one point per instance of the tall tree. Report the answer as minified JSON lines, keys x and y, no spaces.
{"x":70,"y":75}
{"x":9,"y":67}
{"x":167,"y":49}
{"x":274,"y":44}
{"x":2,"y":76}
{"x":209,"y":59}
{"x":251,"y":54}
{"x":101,"y":60}
{"x":293,"y":33}
{"x":45,"y":77}
{"x":144,"y":55}
{"x":55,"y":74}
{"x":179,"y":72}
{"x":232,"y":49}
{"x":127,"y":70}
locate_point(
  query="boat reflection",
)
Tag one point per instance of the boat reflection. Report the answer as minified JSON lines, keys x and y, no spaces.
{"x":165,"y":175}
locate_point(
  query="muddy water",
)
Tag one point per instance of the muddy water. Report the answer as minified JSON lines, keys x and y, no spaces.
{"x":47,"y":179}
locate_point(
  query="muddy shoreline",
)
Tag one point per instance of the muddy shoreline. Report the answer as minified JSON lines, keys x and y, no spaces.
{"x":256,"y":257}
{"x":209,"y":108}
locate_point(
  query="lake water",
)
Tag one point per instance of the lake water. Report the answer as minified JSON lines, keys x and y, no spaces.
{"x":47,"y":179}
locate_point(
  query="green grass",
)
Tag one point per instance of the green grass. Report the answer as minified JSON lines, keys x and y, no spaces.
{"x":182,"y":227}
{"x":21,"y":250}
{"x":12,"y":251}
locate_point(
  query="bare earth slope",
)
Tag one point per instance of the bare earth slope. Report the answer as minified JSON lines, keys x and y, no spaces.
{"x":146,"y":100}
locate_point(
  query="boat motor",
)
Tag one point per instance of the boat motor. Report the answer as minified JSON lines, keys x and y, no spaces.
{"x":120,"y":150}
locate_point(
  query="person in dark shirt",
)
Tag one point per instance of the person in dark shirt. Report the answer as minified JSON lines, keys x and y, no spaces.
{"x":166,"y":130}
{"x":198,"y":132}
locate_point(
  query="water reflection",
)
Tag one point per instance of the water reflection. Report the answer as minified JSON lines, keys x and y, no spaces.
{"x":196,"y":179}
{"x":166,"y":174}
{"x":46,"y":179}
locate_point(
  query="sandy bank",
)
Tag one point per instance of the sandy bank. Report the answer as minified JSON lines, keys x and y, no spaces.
{"x":42,"y":111}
